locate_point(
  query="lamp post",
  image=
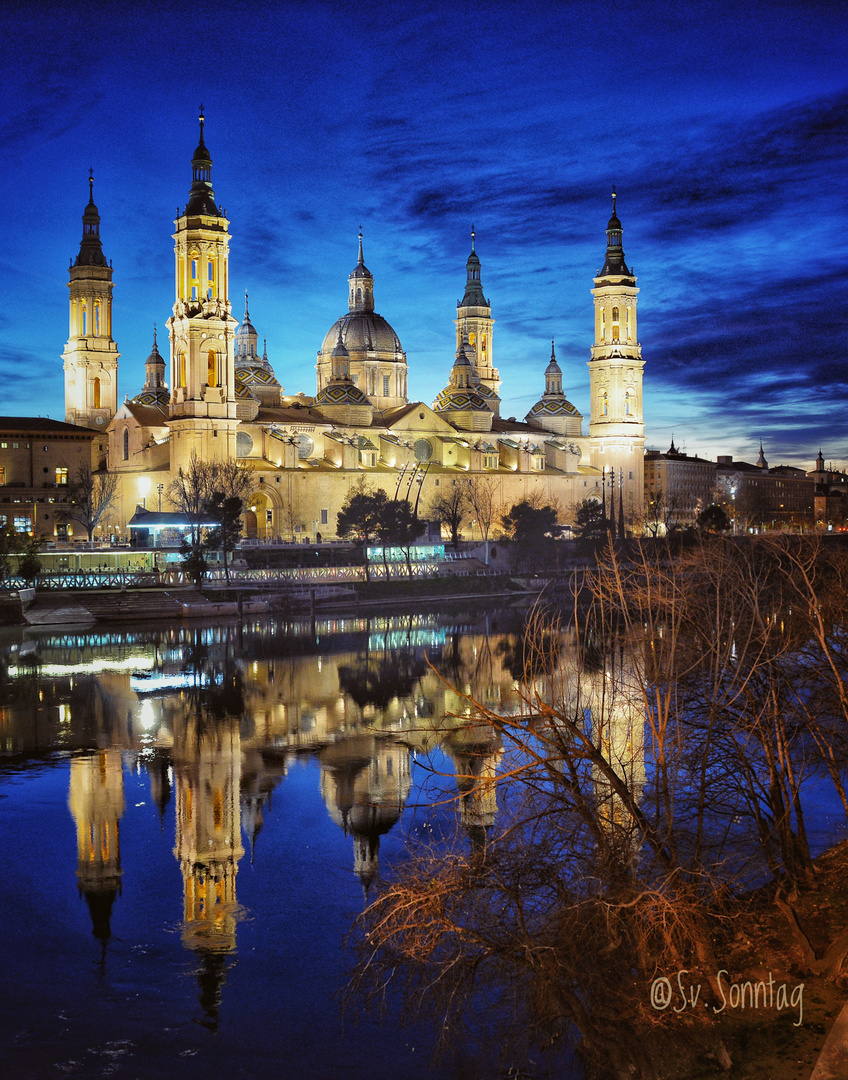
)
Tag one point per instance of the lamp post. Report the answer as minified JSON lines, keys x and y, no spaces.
{"x":159,"y":488}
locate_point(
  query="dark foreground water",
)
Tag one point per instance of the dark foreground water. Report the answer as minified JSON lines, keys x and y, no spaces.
{"x":191,"y":818}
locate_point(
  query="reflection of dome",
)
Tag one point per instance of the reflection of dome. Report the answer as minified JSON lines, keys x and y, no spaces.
{"x":365,"y":783}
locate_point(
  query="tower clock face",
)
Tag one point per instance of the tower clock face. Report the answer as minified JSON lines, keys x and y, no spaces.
{"x":98,"y":420}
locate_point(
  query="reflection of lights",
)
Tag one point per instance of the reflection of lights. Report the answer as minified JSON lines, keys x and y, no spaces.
{"x":147,"y":717}
{"x":64,"y":714}
{"x":93,"y":667}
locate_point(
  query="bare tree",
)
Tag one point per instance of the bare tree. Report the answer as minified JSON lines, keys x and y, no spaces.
{"x":450,"y":507}
{"x":90,"y":495}
{"x":204,"y":491}
{"x":482,"y":501}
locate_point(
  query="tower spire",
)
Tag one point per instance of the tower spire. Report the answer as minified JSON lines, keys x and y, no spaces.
{"x":201,"y":198}
{"x":361,"y":283}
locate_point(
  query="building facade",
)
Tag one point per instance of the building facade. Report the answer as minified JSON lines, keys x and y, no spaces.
{"x":677,"y":488}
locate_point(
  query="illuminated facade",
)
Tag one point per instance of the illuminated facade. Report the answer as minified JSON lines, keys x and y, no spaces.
{"x":90,"y":356}
{"x":308,"y":450}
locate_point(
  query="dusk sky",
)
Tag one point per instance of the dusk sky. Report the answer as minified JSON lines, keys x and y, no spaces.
{"x":722,"y":126}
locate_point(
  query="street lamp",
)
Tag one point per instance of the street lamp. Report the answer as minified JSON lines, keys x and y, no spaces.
{"x":143,"y":488}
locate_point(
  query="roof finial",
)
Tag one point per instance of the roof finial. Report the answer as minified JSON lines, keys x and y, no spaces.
{"x":154,"y":335}
{"x":553,"y":353}
{"x":613,"y":198}
{"x":91,"y":185}
{"x":473,"y":236}
{"x":245,"y":305}
{"x":201,"y":123}
{"x":361,"y":257}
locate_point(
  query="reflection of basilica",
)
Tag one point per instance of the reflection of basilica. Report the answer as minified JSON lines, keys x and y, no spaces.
{"x":224,"y":713}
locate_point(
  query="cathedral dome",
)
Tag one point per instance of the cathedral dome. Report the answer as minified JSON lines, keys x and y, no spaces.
{"x":363,"y":331}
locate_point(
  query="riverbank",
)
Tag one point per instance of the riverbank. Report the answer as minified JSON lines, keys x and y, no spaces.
{"x":767,"y":1043}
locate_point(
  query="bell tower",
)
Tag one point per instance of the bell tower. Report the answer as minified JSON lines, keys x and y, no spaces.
{"x":616,"y":426}
{"x":474,"y":321}
{"x":202,"y":329}
{"x":90,"y":356}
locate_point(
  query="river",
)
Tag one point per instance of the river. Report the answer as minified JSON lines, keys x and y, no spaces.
{"x":193,"y":816}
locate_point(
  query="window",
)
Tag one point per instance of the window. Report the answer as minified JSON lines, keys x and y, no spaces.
{"x":96,"y":393}
{"x":84,"y":321}
{"x":212,"y":366}
{"x":126,"y":444}
{"x":2,"y":476}
{"x":386,"y":383}
{"x":97,"y":316}
{"x":23,"y":523}
{"x":181,"y":375}
{"x":61,"y":476}
{"x":325,"y":517}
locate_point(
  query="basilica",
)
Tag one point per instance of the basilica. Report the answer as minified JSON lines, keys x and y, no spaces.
{"x":216,"y":396}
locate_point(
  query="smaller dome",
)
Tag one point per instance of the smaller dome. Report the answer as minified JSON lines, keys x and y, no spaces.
{"x":341,"y":393}
{"x":553,"y":407}
{"x":465,"y":400}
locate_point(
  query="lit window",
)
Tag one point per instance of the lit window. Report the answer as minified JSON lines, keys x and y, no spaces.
{"x":212,"y":366}
{"x":61,"y":476}
{"x":2,"y":476}
{"x":23,"y":523}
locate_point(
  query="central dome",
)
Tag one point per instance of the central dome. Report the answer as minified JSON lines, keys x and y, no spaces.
{"x":364,"y":332}
{"x":377,"y":362}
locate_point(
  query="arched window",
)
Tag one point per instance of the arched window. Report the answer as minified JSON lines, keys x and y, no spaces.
{"x":616,"y":336}
{"x":627,"y":410}
{"x":181,"y":374}
{"x":628,"y":324}
{"x":358,"y":295}
{"x":212,"y":368}
{"x":84,"y":320}
{"x":96,"y":393}
{"x":97,"y":316}
{"x":605,"y":404}
{"x":126,"y":444}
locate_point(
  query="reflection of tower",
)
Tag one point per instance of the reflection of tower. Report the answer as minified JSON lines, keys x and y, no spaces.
{"x":476,"y":750}
{"x":207,"y":770}
{"x":618,"y":731}
{"x":96,"y":801}
{"x":365,"y":783}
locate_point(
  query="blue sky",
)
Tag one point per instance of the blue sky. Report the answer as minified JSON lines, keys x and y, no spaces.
{"x":722,"y":127}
